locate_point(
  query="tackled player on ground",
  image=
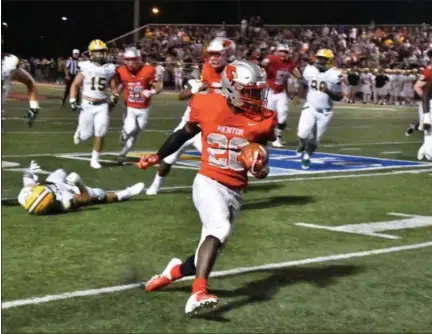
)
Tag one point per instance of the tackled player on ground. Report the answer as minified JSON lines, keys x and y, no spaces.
{"x":62,"y":192}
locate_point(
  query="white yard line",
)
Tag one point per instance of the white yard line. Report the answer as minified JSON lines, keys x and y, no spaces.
{"x":391,"y":152}
{"x":222,"y":273}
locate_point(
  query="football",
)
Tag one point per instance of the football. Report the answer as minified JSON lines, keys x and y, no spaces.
{"x":253,"y":152}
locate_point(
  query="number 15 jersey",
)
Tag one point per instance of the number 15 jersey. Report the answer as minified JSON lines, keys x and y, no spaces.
{"x":316,"y":81}
{"x":96,"y":78}
{"x":223,"y":135}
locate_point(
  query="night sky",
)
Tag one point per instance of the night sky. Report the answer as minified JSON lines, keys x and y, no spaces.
{"x":28,"y":21}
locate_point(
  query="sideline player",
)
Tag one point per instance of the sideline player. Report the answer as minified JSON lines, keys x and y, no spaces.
{"x":10,"y":70}
{"x":227,"y":122}
{"x":278,"y":67}
{"x":95,"y":76}
{"x":220,"y":52}
{"x":324,"y":87}
{"x":139,"y":84}
{"x":62,"y":193}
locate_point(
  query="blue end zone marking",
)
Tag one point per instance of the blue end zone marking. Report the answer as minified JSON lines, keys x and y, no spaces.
{"x":284,"y":162}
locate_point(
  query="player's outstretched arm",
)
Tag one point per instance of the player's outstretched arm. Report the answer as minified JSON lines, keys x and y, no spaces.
{"x":76,"y":84}
{"x":174,"y":142}
{"x":79,"y":78}
{"x":177,"y":139}
{"x":193,"y":86}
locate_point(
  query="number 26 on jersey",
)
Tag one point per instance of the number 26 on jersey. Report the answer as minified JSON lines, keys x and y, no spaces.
{"x":224,"y":152}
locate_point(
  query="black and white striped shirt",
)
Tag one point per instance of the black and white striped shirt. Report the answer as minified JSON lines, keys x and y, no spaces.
{"x":72,"y":66}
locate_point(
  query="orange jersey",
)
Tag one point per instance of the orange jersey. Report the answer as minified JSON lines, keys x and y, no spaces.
{"x":278,"y":71}
{"x":427,"y":73}
{"x":223,"y":134}
{"x":135,"y":83}
{"x":211,"y":77}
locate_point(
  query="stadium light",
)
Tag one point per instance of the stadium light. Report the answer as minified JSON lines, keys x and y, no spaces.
{"x":155,"y":11}
{"x":5,"y":24}
{"x":64,"y":18}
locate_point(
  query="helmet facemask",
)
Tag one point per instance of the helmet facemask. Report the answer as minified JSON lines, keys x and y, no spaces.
{"x":217,"y":59}
{"x":247,"y":94}
{"x":99,"y":56}
{"x":283,"y":54}
{"x":132,"y":59}
{"x":322,"y":63}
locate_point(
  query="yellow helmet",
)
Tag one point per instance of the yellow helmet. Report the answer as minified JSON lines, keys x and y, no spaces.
{"x":98,"y":50}
{"x":324,"y":58}
{"x":40,"y":200}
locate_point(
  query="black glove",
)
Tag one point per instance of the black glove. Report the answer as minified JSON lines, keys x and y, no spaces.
{"x":75,"y":106}
{"x":113,"y":99}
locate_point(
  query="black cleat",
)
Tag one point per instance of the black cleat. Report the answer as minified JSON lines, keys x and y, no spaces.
{"x":411,"y":128}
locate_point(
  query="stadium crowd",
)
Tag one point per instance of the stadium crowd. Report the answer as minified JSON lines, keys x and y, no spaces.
{"x":372,"y":46}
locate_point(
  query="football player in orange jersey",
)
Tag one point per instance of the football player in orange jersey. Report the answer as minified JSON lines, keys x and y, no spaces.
{"x":139,"y":84}
{"x":227,"y":122}
{"x":278,"y":67}
{"x":220,"y":52}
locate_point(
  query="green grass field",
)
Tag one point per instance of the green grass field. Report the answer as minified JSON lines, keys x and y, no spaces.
{"x":342,"y":286}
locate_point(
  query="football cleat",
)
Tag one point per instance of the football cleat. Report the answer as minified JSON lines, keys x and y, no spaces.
{"x":305,"y":163}
{"x":95,"y":164}
{"x":411,"y":128}
{"x":121,"y":159}
{"x":162,"y":280}
{"x":200,"y":301}
{"x":277,"y":143}
{"x":136,"y":189}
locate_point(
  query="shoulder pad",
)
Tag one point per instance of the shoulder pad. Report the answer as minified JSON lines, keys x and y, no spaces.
{"x":82,"y":65}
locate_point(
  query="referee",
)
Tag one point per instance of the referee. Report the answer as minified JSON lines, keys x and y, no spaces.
{"x":71,"y":70}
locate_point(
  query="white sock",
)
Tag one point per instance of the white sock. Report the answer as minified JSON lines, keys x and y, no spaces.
{"x":95,"y":156}
{"x":157,"y":182}
{"x":123,"y":194}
